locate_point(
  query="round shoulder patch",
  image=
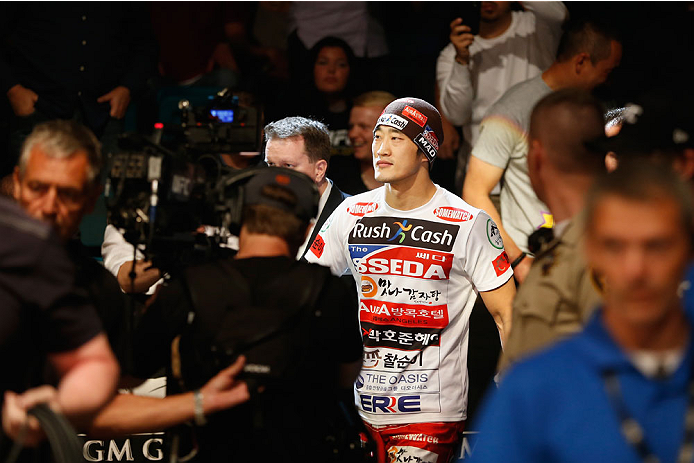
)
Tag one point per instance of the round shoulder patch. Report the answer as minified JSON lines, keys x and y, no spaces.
{"x":494,"y":235}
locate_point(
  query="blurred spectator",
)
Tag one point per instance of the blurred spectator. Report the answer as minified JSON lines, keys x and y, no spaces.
{"x":194,"y":46}
{"x":85,"y":60}
{"x":624,"y":384}
{"x":326,"y":96}
{"x":310,"y":22}
{"x":355,"y":174}
{"x":58,"y":180}
{"x":44,"y":316}
{"x":587,"y":54}
{"x":559,"y":293}
{"x":473,"y":71}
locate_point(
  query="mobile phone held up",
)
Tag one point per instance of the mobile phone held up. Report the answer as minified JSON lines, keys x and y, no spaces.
{"x":470,"y":13}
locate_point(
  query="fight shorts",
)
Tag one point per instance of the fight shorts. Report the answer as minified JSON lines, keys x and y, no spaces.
{"x":420,"y":442}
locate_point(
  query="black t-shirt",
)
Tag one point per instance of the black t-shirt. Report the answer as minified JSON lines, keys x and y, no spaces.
{"x":105,"y":294}
{"x":41,"y":311}
{"x":279,"y":417}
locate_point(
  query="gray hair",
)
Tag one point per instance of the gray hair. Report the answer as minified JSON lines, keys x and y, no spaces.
{"x":315,"y":134}
{"x":61,"y":139}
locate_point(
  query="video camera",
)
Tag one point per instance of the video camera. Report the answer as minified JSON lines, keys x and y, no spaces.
{"x":161,"y":189}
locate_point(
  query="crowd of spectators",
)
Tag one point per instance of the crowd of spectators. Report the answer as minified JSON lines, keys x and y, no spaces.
{"x":537,"y":100}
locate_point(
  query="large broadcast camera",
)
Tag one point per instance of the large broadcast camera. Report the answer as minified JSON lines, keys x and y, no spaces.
{"x":161,"y":189}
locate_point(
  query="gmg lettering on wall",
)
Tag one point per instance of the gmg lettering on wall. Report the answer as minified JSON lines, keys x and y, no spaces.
{"x":405,"y":232}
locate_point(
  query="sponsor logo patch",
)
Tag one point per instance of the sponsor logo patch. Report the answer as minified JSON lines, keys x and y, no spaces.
{"x":493,"y":235}
{"x":391,"y":120}
{"x":408,"y":262}
{"x":361,"y":209}
{"x":381,"y":312}
{"x":431,"y":137}
{"x":396,"y":403}
{"x":389,"y":360}
{"x":318,"y":246}
{"x":452,"y":214}
{"x":368,"y":287}
{"x":405,"y":232}
{"x":501,"y":264}
{"x":399,"y":337}
{"x":425,"y":146}
{"x":390,"y":404}
{"x":399,"y":382}
{"x":415,"y":116}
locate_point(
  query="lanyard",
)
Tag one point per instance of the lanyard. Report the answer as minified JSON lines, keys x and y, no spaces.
{"x":632,"y":430}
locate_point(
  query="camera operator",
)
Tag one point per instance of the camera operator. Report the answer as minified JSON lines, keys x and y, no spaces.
{"x":295,"y":323}
{"x":57,"y":181}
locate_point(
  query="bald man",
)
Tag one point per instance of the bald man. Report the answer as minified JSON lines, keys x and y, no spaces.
{"x":558,"y":294}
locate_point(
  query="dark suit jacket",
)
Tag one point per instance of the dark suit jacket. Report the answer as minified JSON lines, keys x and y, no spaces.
{"x":335,"y":197}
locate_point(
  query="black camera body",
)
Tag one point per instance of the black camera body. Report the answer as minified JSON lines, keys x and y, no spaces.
{"x":161,"y":189}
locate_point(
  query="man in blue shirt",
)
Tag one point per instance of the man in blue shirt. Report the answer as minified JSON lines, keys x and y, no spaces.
{"x":618,"y":391}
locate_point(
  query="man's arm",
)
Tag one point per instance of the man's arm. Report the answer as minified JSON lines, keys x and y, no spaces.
{"x":551,"y":12}
{"x":495,"y":142}
{"x":456,"y":92}
{"x":89,"y":375}
{"x":145,"y":275}
{"x":451,"y":138}
{"x":118,"y":259}
{"x":499,"y":303}
{"x":480,"y":180}
{"x":130,"y":414}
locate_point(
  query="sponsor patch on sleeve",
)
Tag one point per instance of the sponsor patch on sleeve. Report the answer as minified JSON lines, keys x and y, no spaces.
{"x":494,"y":235}
{"x":415,"y":116}
{"x":318,"y":246}
{"x":501,"y":264}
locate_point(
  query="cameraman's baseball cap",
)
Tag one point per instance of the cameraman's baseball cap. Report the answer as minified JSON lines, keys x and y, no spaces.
{"x":418,"y":120}
{"x":654,"y":123}
{"x":305,"y":207}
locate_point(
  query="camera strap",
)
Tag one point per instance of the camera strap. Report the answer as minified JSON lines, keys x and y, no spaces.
{"x":633,"y":432}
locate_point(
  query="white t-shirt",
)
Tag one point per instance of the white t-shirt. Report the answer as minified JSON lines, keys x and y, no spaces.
{"x":416,"y":273}
{"x":524,"y":50}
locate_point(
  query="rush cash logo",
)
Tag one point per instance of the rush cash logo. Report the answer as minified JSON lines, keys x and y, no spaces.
{"x":405,"y":232}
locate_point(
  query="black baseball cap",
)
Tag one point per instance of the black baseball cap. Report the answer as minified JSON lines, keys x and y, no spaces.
{"x":298,"y":183}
